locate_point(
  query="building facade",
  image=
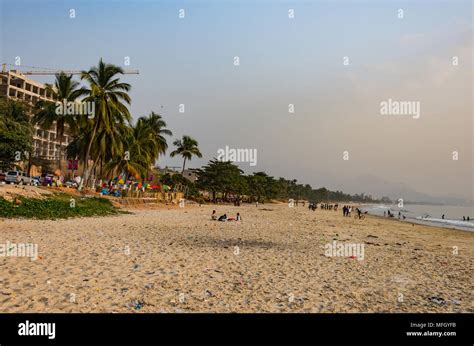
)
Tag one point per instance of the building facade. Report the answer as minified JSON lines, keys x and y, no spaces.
{"x":16,"y":86}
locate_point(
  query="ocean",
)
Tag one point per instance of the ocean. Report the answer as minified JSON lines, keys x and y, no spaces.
{"x":428,"y":214}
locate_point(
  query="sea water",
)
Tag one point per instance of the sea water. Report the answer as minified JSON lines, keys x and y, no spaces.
{"x":428,"y":214}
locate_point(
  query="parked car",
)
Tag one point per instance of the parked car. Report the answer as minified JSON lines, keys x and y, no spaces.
{"x":70,"y":183}
{"x":46,"y":179}
{"x":17,"y":177}
{"x":2,"y":176}
{"x":36,"y":180}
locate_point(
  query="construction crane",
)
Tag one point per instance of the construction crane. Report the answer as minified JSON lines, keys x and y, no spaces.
{"x":50,"y":72}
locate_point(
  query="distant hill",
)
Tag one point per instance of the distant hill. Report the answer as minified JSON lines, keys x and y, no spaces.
{"x":395,"y":190}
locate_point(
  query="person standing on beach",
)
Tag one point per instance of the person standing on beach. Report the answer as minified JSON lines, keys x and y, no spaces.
{"x":442,"y":217}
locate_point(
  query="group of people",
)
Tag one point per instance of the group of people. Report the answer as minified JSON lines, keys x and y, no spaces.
{"x":324,"y":206}
{"x":465,"y":218}
{"x":403,"y":216}
{"x":224,"y":218}
{"x":327,"y":206}
{"x":388,"y":213}
{"x":346,"y":210}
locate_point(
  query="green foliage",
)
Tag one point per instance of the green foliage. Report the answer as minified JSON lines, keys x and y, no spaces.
{"x":46,"y":115}
{"x":110,"y":139}
{"x":179,"y":180}
{"x":57,"y":206}
{"x":223,"y":178}
{"x":16,"y":132}
{"x":187,"y":148}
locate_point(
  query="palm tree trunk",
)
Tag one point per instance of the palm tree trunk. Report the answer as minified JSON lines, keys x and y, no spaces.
{"x":59,"y":152}
{"x":30,"y":155}
{"x":86,"y":161}
{"x":184,"y":164}
{"x":92,"y":169}
{"x":101,"y":164}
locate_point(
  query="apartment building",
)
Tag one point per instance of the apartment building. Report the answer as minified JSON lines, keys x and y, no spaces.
{"x":15,"y":85}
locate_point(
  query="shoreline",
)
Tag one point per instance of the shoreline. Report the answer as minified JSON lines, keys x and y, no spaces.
{"x":424,"y":223}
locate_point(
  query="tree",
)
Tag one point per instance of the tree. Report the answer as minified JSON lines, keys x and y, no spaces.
{"x":158,"y":128}
{"x":157,"y":132}
{"x":47,"y":114}
{"x":187,"y":148}
{"x":16,"y":133}
{"x":221,"y":176}
{"x":110,"y":98}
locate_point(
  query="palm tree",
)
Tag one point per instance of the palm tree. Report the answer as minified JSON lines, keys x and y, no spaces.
{"x":136,"y":153}
{"x":187,"y":147}
{"x":110,"y":97}
{"x":64,"y":89}
{"x":158,"y":129}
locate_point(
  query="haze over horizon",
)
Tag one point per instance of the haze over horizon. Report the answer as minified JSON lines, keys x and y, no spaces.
{"x":283,"y":61}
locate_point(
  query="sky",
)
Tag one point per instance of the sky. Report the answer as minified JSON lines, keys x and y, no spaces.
{"x":337,"y":136}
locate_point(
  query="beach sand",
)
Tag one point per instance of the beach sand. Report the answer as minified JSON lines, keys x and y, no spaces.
{"x":174,"y":259}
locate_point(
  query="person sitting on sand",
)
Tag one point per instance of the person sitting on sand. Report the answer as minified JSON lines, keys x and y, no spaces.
{"x":235,"y":219}
{"x":213,"y":216}
{"x":222,"y":218}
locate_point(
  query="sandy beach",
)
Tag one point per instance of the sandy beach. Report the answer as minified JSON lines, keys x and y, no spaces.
{"x":174,"y":259}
